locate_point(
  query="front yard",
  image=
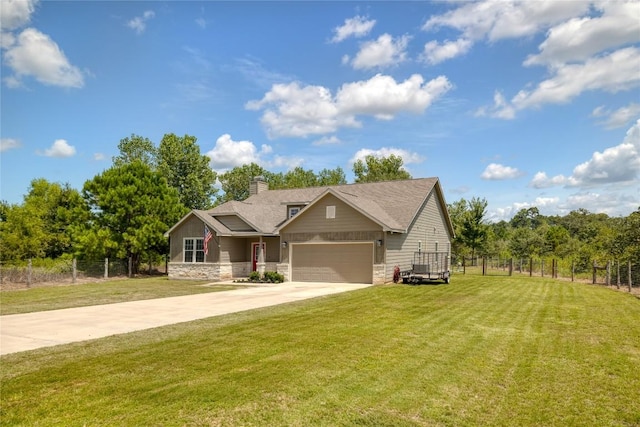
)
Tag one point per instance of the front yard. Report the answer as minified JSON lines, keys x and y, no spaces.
{"x":481,"y":351}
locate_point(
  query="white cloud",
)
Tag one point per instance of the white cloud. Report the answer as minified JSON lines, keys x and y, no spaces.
{"x":497,"y":172}
{"x":617,"y":118}
{"x":35,"y":54}
{"x":59,"y":149}
{"x":16,"y":13}
{"x":435,"y":52}
{"x":612,"y":73}
{"x":327,"y":140}
{"x":407,"y":156}
{"x":139,"y":23}
{"x":9,"y":144}
{"x":98,"y":156}
{"x":383,"y":52}
{"x":228,"y":153}
{"x":295,"y":110}
{"x":358,"y":26}
{"x":497,"y":19}
{"x":283,"y":162}
{"x":501,"y":109}
{"x":580,"y":38}
{"x":202,"y":23}
{"x":382,"y":97}
{"x":615,"y":165}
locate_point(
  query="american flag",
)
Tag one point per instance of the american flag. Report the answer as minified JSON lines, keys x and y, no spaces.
{"x":207,"y":236}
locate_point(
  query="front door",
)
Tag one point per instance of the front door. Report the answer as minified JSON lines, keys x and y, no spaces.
{"x":255,"y":253}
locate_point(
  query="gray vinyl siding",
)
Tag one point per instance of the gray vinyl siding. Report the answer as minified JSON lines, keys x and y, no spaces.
{"x":192,"y":227}
{"x":428,"y":228}
{"x":314,"y":219}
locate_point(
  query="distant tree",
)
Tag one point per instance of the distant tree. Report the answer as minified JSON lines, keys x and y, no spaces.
{"x":527,"y":218}
{"x":474,"y":229}
{"x":130,"y":207}
{"x":374,"y":169}
{"x":135,"y":148}
{"x":298,"y":177}
{"x":332,"y":177}
{"x":457,"y":211}
{"x":235,"y":183}
{"x":180,"y":162}
{"x":40,"y":226}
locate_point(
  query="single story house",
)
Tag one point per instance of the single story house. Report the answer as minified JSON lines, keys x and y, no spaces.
{"x":344,"y":233}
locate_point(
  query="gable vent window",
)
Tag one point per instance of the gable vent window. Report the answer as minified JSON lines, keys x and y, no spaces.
{"x":293,"y":211}
{"x":331,"y":212}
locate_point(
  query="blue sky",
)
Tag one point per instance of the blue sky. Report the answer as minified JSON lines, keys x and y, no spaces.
{"x":522,"y":103}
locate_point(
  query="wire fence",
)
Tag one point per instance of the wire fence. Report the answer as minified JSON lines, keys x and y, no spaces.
{"x":42,"y":272}
{"x":620,"y":273}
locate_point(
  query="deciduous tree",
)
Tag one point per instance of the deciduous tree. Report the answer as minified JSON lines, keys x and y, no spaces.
{"x":376,"y":169}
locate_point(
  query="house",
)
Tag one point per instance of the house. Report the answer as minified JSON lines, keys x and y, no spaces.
{"x":345,"y":233}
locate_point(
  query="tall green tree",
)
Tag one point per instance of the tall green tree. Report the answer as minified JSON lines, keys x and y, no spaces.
{"x":136,"y":147}
{"x":474,"y":229}
{"x":186,"y":170}
{"x":40,"y":226}
{"x":332,"y":177}
{"x":130,"y":207}
{"x":374,"y":169}
{"x":235,"y":182}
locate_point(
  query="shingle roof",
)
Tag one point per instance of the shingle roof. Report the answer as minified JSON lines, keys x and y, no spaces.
{"x":392,"y":204}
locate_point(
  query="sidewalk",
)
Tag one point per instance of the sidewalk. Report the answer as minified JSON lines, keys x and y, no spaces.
{"x":22,"y":332}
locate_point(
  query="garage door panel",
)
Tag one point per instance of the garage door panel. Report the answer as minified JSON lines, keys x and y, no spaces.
{"x":350,"y":263}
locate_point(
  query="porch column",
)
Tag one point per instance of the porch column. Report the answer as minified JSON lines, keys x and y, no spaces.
{"x":261,"y":266}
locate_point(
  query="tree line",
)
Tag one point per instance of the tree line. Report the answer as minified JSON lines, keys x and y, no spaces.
{"x":123,"y":212}
{"x":581,"y":236}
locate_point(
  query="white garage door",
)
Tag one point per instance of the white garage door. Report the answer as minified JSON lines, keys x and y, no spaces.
{"x":333,"y":262}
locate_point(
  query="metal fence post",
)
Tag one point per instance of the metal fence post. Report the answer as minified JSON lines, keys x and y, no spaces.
{"x":618,"y":274}
{"x":29,"y":273}
{"x":629,"y":274}
{"x":594,"y":272}
{"x":106,"y":268}
{"x":608,"y":273}
{"x":74,"y":271}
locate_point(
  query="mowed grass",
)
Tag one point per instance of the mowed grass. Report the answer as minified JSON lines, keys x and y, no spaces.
{"x":67,"y":296}
{"x":495,"y":351}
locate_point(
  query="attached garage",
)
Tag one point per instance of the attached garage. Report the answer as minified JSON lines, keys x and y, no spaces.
{"x":332,"y":262}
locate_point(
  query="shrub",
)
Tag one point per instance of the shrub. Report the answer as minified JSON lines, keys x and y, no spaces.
{"x":254,"y":276}
{"x":273,"y":277}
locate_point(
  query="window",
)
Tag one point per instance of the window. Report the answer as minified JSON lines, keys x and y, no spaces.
{"x":193,"y":250}
{"x":331,"y":212}
{"x":293,"y":211}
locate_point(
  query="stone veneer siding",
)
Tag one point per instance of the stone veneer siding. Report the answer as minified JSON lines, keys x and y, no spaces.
{"x":216,"y":271}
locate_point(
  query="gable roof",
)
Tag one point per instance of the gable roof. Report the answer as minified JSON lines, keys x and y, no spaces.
{"x":392,"y":204}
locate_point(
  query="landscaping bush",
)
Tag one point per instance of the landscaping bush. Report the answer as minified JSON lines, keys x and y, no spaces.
{"x":254,"y":276}
{"x":273,"y":277}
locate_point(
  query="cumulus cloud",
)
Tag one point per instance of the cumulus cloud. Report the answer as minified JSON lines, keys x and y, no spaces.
{"x":35,"y":54}
{"x":228,"y":153}
{"x":496,"y":20}
{"x":9,"y":144}
{"x":614,"y":165}
{"x":32,"y":53}
{"x":139,"y":23}
{"x":98,"y":156}
{"x":295,"y":110}
{"x":16,"y":13}
{"x":614,"y":72}
{"x":383,"y":52}
{"x":498,"y":172}
{"x":580,"y":38}
{"x":618,"y":118}
{"x":59,"y":149}
{"x":435,"y":53}
{"x":408,"y":157}
{"x":358,"y":26}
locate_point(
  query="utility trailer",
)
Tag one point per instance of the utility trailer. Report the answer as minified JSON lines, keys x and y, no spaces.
{"x":427,"y":266}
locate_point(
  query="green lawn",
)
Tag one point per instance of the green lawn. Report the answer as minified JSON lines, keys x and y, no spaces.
{"x":479,"y":351}
{"x":55,"y":297}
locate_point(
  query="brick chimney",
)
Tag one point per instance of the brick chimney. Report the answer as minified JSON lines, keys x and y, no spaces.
{"x":258,"y":185}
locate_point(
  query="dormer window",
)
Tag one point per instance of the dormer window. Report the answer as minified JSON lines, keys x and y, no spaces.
{"x":293,"y":210}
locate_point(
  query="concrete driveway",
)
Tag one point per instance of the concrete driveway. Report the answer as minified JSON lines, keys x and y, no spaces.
{"x":22,"y":332}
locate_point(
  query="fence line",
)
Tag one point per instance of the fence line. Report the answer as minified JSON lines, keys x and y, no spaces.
{"x":621,"y":273}
{"x":69,"y":270}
